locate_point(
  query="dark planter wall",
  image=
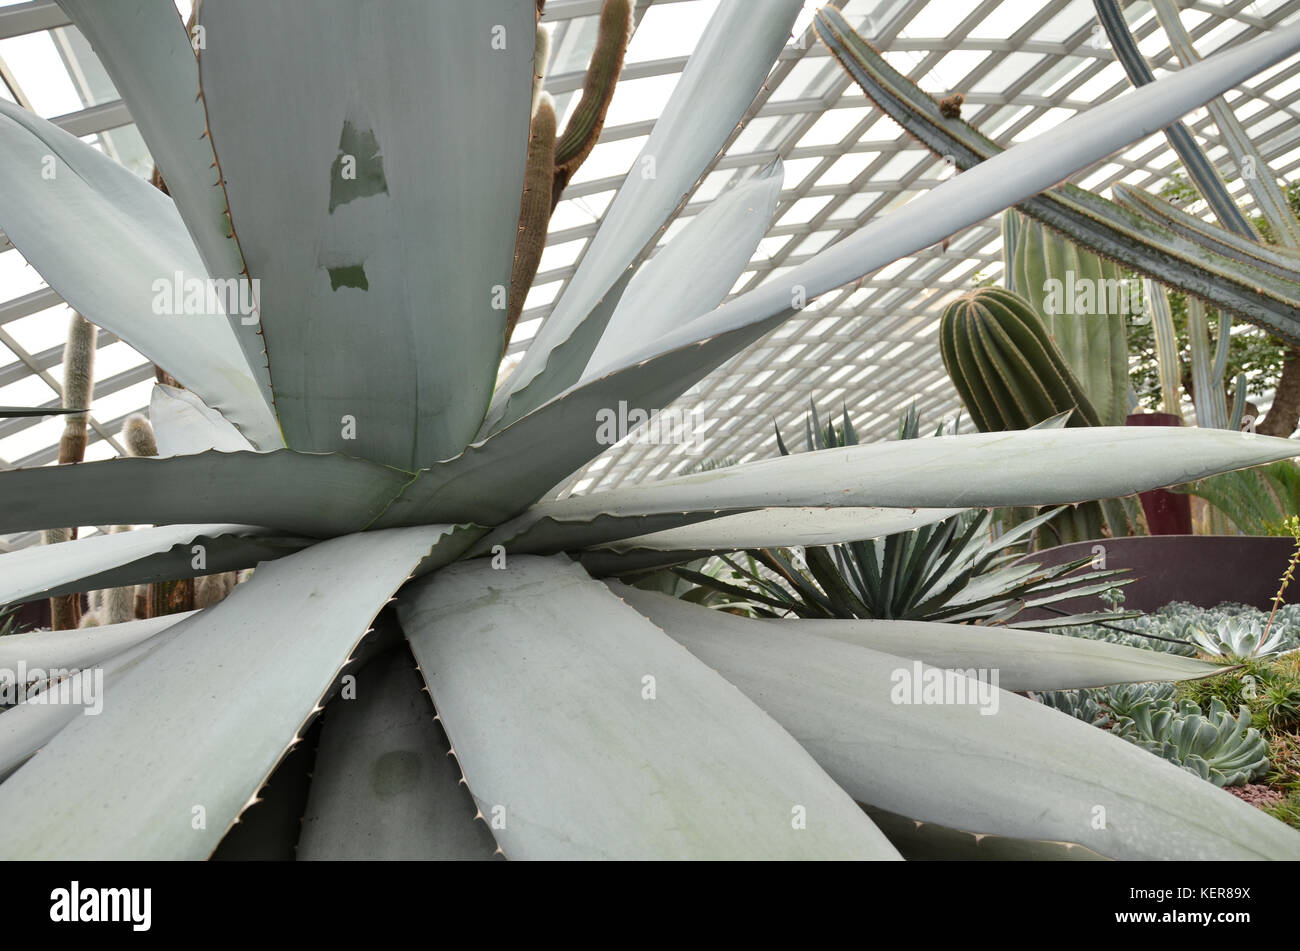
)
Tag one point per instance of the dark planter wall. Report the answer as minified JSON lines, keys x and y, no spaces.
{"x":1204,"y":570}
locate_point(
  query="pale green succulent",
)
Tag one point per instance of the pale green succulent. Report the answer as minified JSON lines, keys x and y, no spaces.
{"x":345,"y":436}
{"x":1216,"y":746}
{"x":1240,"y":636}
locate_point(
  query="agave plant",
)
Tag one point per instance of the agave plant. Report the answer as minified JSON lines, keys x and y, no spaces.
{"x":956,"y":569}
{"x":344,"y":434}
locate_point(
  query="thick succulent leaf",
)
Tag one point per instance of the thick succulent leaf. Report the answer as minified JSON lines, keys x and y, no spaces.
{"x":184,"y":425}
{"x":1028,"y":467}
{"x":724,"y":73}
{"x":150,"y":58}
{"x":384,"y":785}
{"x":1007,"y":766}
{"x":40,"y":569}
{"x":1026,"y":659}
{"x":102,"y":238}
{"x":543,"y":680}
{"x":1227,"y":282}
{"x":317,"y":495}
{"x":78,"y":649}
{"x":695,"y":271}
{"x":27,"y":727}
{"x":927,"y":842}
{"x":231,"y":552}
{"x":762,"y":528}
{"x":381,"y":255}
{"x":126,"y":783}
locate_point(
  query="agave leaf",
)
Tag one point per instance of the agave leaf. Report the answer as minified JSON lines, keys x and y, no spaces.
{"x":145,"y":49}
{"x":315,"y":495}
{"x":786,"y":527}
{"x":724,"y":73}
{"x":126,"y":782}
{"x":1026,"y":467}
{"x":1025,"y":770}
{"x":27,"y":727}
{"x":540,"y":678}
{"x":183,"y":425}
{"x":380,"y":259}
{"x":927,"y":841}
{"x":1227,"y":282}
{"x":78,"y":649}
{"x":102,"y":237}
{"x":384,"y":785}
{"x":695,"y":271}
{"x":39,"y":569}
{"x":1025,"y":659}
{"x":706,"y":531}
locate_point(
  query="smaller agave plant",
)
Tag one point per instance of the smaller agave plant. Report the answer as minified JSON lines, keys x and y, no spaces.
{"x":1218,"y":747}
{"x":1238,"y":636}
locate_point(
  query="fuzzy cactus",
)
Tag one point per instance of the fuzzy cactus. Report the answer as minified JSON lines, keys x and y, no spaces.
{"x":138,"y":437}
{"x":162,"y":597}
{"x":212,"y":589}
{"x":583,"y":128}
{"x":534,"y":210}
{"x":78,"y":391}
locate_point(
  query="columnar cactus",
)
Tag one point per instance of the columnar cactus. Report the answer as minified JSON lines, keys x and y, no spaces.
{"x":534,"y":209}
{"x":1093,"y":339}
{"x":78,"y":389}
{"x":1004,"y":365}
{"x":583,"y":128}
{"x":163,"y":597}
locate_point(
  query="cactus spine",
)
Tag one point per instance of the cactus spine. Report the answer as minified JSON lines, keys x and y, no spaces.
{"x":78,"y":391}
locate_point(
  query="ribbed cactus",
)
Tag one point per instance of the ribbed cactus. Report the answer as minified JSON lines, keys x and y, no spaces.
{"x":78,"y":390}
{"x":534,"y":210}
{"x":583,"y":128}
{"x":1010,"y":375}
{"x":1004,"y":365}
{"x":1054,"y":274}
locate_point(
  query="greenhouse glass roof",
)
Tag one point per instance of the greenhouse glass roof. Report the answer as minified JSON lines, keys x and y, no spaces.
{"x":870,"y":347}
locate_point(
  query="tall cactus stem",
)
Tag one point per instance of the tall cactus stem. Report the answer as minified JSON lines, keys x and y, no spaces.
{"x":583,"y":128}
{"x":534,"y":211}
